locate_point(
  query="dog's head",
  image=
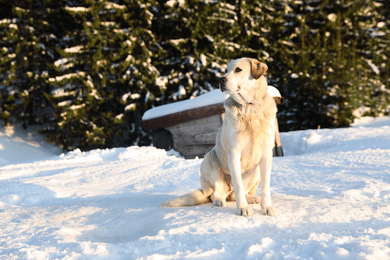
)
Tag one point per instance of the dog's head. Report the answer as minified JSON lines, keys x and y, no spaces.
{"x":242,"y":77}
{"x":241,"y":73}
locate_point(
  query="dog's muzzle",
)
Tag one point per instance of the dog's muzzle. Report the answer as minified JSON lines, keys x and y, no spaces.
{"x":222,"y":82}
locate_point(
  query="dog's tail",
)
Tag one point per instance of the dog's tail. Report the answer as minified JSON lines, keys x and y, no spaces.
{"x":190,"y":199}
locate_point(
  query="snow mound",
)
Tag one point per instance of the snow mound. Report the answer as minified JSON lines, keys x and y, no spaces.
{"x":331,"y":193}
{"x":18,"y":145}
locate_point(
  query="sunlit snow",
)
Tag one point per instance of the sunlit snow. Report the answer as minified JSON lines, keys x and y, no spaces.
{"x":331,"y":192}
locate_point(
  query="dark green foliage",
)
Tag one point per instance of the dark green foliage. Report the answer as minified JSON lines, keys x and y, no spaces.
{"x":87,"y":70}
{"x":103,"y":71}
{"x":26,"y":50}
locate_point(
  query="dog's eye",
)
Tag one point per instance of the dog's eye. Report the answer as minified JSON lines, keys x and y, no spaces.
{"x":225,"y":71}
{"x":237,"y":70}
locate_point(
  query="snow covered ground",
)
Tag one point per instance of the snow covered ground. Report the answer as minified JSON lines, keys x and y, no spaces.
{"x":331,"y":192}
{"x":19,"y":145}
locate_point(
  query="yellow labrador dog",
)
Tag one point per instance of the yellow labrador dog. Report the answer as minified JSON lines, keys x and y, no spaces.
{"x":242,"y":156}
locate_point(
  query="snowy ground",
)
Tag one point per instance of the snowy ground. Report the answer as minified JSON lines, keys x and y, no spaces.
{"x":18,"y":145}
{"x":331,"y":193}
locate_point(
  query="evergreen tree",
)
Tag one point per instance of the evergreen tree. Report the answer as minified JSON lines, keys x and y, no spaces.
{"x":309,"y":81}
{"x":26,"y":37}
{"x":381,"y":34}
{"x":103,"y":75}
{"x":90,"y":69}
{"x":355,"y":77}
{"x":185,"y":58}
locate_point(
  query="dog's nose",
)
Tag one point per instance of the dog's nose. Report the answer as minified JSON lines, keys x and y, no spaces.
{"x":222,"y":80}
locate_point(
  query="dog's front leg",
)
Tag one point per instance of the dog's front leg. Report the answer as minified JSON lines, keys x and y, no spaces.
{"x":265,"y":179}
{"x":234,"y":159}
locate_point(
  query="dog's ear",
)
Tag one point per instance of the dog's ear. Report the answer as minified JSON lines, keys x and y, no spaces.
{"x":258,"y":68}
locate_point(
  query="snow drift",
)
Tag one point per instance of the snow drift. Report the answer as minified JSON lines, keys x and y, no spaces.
{"x":331,"y":193}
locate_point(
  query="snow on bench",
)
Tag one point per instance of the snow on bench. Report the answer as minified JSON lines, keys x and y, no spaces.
{"x":211,"y":98}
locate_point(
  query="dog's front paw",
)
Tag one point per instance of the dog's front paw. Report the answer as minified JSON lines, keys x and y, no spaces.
{"x":246,"y":211}
{"x":269,"y":211}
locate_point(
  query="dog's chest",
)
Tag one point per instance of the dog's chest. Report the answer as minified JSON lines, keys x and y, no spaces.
{"x":254,"y":125}
{"x":256,"y":133}
{"x":251,"y":129}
